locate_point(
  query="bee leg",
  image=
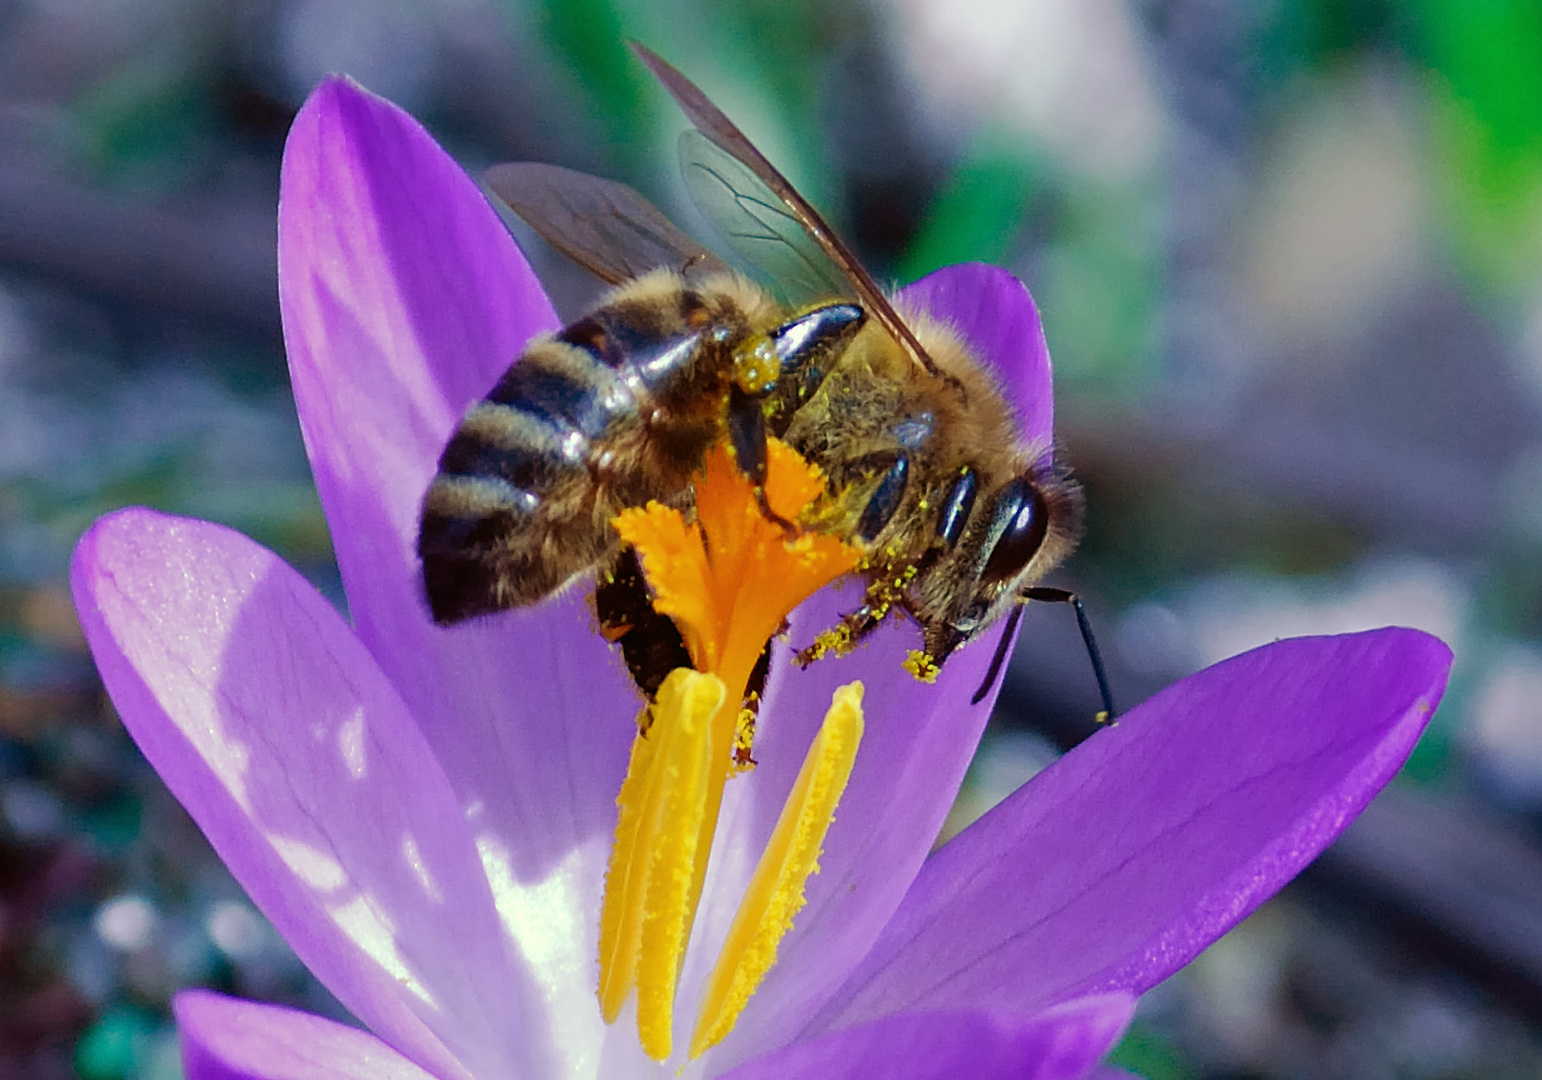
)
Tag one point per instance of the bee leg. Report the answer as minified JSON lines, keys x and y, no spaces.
{"x":651,"y":645}
{"x":887,"y":495}
{"x":790,"y":530}
{"x":747,"y":436}
{"x":806,"y":349}
{"x":1053,"y":596}
{"x":841,"y":638}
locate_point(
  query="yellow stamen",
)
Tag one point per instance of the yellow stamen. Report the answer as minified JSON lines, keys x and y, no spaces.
{"x":625,"y":883}
{"x":775,"y":893}
{"x":729,"y":581}
{"x":645,"y":920}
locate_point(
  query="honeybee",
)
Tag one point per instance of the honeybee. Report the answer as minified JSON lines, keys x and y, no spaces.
{"x":924,"y":458}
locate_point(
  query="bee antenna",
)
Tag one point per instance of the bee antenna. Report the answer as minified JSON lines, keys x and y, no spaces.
{"x":1003,"y":646}
{"x":1061,"y":596}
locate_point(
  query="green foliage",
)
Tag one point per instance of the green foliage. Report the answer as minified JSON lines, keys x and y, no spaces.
{"x":1485,"y":58}
{"x":115,"y":1046}
{"x":146,"y":126}
{"x":975,"y":217}
{"x":590,"y":36}
{"x":1146,"y":1053}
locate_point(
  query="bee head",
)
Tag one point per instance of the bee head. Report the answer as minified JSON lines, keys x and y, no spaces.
{"x":998,"y":545}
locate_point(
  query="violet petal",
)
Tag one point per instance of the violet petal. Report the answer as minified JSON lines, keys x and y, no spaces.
{"x":1059,"y":1044}
{"x":1124,"y":859}
{"x":404,"y":299}
{"x":999,"y":320}
{"x":277,"y":732}
{"x":225,"y":1038}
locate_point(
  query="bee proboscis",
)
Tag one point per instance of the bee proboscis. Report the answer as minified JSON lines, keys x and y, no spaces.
{"x":924,"y":457}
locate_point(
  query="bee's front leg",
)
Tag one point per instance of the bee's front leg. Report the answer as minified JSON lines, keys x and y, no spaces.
{"x":844,"y":636}
{"x":747,"y":436}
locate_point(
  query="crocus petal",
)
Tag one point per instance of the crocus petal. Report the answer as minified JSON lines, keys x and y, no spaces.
{"x":404,"y":299}
{"x":999,"y":320}
{"x":225,"y":1038}
{"x":1123,"y":860}
{"x":1059,"y":1044}
{"x":276,"y":731}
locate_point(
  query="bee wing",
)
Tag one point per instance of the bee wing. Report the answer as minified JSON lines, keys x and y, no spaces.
{"x":758,"y":224}
{"x":603,"y":225}
{"x":723,"y":133}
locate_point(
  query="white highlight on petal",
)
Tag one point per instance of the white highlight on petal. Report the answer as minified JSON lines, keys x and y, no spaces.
{"x":310,"y":864}
{"x":555,"y":924}
{"x":227,"y":758}
{"x":414,"y":859}
{"x":350,"y":742}
{"x":373,"y":932}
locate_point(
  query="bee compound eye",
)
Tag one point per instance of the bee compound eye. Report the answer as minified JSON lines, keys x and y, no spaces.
{"x":1023,"y":521}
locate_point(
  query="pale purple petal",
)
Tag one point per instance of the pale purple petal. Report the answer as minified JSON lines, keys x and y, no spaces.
{"x":1060,"y":1044}
{"x":999,"y":320}
{"x":1118,"y":864}
{"x":277,"y":732}
{"x":225,"y":1038}
{"x":404,"y":299}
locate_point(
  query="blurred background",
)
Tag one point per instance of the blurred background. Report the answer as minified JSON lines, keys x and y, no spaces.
{"x":1289,"y":257}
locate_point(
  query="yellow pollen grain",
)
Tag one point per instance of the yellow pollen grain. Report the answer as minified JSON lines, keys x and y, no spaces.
{"x":921,"y":666}
{"x":744,"y":742}
{"x":775,"y":893}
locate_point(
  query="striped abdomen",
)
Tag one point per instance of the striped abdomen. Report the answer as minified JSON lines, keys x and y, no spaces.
{"x":616,"y":409}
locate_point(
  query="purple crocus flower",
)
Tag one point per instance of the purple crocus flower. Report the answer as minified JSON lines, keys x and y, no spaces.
{"x":425,"y":814}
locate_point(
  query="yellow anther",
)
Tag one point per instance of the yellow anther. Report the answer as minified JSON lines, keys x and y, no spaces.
{"x":648,"y":909}
{"x":776,"y":893}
